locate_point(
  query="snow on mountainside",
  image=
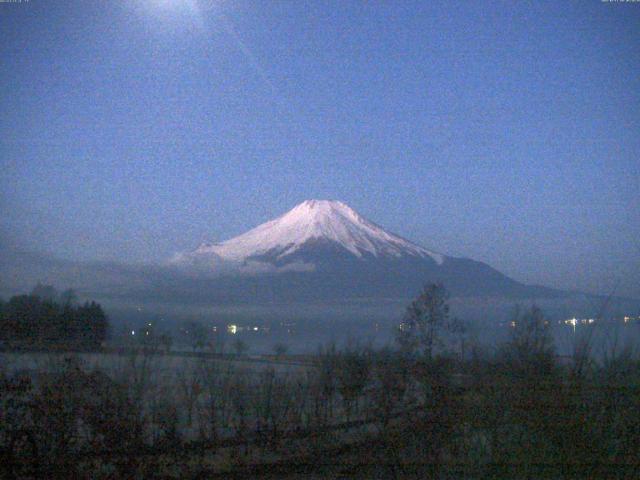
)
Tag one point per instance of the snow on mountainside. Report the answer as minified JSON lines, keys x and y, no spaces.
{"x":309,"y":223}
{"x":323,"y":250}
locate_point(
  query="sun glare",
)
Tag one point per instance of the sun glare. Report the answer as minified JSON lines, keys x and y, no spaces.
{"x":171,"y":12}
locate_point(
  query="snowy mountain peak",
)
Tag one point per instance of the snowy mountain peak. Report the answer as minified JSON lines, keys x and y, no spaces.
{"x":321,"y":212}
{"x":312,"y":221}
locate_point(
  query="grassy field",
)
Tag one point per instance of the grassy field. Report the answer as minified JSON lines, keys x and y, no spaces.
{"x":518,"y":410}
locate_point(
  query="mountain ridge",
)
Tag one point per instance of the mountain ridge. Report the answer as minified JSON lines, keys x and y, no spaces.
{"x":318,"y":271}
{"x":312,"y":221}
{"x":325,"y":249}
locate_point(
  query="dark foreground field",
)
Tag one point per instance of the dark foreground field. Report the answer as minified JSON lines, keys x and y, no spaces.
{"x":434,"y":407}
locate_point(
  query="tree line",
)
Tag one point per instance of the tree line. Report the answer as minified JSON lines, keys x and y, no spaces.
{"x":436,"y":406}
{"x":45,"y":319}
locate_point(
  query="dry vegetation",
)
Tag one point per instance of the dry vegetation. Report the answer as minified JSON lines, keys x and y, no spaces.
{"x":425,"y":410}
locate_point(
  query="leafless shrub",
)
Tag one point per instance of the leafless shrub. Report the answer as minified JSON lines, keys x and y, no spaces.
{"x":353,"y":375}
{"x":272,"y":401}
{"x":214,"y":408}
{"x":190,"y":387}
{"x":240,"y":409}
{"x":390,"y":389}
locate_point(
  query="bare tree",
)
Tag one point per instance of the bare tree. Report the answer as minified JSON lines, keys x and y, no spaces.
{"x":190,"y":387}
{"x":165,"y":340}
{"x":391,"y":383}
{"x":354,"y":366}
{"x":240,"y":347}
{"x":271,"y":401}
{"x":216,"y":385}
{"x":217,"y":344}
{"x":459,"y":329}
{"x":240,"y":394}
{"x":280,"y":349}
{"x":424,"y":322}
{"x":530,"y":349}
{"x":197,"y":335}
{"x":326,"y":381}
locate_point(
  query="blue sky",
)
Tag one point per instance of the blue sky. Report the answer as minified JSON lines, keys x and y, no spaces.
{"x":502,"y":131}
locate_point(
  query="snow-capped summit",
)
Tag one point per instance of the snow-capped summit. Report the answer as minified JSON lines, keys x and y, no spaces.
{"x":325,"y":250}
{"x":312,"y":222}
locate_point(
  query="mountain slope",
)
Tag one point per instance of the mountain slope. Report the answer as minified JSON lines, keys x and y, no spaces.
{"x":320,"y":253}
{"x":311,"y":223}
{"x":324,"y":249}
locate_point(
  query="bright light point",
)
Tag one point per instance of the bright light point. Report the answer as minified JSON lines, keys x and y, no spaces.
{"x":175,"y":7}
{"x":133,"y":332}
{"x":169,"y":4}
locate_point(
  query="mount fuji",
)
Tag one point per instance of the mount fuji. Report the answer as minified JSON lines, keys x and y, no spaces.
{"x":321,"y":258}
{"x":324,"y":248}
{"x":295,"y":239}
